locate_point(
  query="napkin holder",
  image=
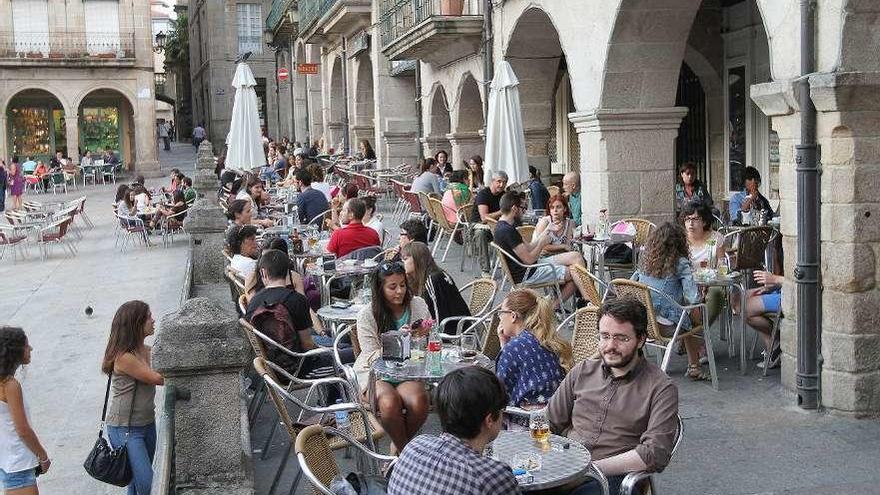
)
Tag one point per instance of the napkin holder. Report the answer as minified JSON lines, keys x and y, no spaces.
{"x":396,"y":346}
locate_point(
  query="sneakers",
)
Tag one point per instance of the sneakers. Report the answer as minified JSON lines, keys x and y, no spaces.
{"x":775,"y":359}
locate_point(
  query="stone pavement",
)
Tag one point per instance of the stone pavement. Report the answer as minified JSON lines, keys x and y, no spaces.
{"x":63,"y":385}
{"x":747,"y":438}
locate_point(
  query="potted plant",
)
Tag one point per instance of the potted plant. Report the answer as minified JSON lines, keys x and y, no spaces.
{"x":451,"y":7}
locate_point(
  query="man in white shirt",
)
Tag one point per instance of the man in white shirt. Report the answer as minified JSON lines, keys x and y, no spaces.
{"x":242,"y":242}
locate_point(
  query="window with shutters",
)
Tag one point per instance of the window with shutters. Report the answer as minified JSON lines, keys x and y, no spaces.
{"x":102,"y":26}
{"x":30,"y":26}
{"x":250,"y":28}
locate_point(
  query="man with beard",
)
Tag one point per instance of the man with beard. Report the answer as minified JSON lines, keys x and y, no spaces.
{"x":623,"y":408}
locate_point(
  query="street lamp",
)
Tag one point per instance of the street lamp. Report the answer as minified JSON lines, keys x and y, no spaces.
{"x":160,"y":41}
{"x":269,"y":38}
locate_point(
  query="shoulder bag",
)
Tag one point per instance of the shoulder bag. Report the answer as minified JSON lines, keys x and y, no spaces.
{"x":105,"y":463}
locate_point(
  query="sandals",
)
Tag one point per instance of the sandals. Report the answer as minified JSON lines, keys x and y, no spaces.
{"x":695,"y":372}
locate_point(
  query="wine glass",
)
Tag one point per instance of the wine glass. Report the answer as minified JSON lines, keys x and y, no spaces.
{"x":468,"y":347}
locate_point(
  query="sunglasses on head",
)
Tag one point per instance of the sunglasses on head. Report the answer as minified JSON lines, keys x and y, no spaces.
{"x":391,"y":267}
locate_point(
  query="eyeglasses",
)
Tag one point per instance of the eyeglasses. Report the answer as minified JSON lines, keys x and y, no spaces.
{"x":618,"y":337}
{"x":391,"y":267}
{"x":404,"y":233}
{"x":506,"y":311}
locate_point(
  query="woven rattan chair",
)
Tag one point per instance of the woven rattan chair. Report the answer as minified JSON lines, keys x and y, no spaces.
{"x":483,"y":291}
{"x":236,"y":281}
{"x":367,"y":431}
{"x":645,"y":294}
{"x":314,"y":451}
{"x":526,"y":232}
{"x":643,"y":229}
{"x":593,"y":287}
{"x":585,"y":336}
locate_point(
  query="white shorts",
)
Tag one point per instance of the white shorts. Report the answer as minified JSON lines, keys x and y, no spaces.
{"x":545,"y":274}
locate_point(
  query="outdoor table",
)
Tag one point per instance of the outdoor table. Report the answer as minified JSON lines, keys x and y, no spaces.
{"x":415,"y":369}
{"x":342,"y":269}
{"x":333,"y":317}
{"x":559,"y":466}
{"x":734,"y":280}
{"x":598,"y":246}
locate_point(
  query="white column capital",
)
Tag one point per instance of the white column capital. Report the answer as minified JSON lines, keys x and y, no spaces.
{"x":628,"y":119}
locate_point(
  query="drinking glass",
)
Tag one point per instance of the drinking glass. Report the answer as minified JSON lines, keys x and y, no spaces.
{"x":468,"y":344}
{"x":539,"y":427}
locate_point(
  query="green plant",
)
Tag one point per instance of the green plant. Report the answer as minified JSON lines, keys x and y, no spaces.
{"x":177,"y":46}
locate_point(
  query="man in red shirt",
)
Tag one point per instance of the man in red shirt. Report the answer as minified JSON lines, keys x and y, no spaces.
{"x":354,"y":234}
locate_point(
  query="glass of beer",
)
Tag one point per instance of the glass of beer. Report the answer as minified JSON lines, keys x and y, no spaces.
{"x":538,"y":425}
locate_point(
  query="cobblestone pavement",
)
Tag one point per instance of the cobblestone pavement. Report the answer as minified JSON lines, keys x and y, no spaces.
{"x":63,"y":385}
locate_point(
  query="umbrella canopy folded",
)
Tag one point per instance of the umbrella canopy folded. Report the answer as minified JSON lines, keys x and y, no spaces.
{"x":505,"y":139}
{"x":244,"y":140}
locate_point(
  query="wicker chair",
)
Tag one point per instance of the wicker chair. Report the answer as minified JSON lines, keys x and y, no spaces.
{"x":585,"y":336}
{"x":236,"y":281}
{"x":590,"y":284}
{"x":645,"y":294}
{"x":526,"y":232}
{"x":314,"y":451}
{"x":367,"y":431}
{"x":643,"y":230}
{"x":483,"y":292}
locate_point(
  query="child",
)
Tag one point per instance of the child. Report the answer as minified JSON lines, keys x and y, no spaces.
{"x":22,"y":456}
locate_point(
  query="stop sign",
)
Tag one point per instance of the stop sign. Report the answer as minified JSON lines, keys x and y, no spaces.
{"x":283,"y":74}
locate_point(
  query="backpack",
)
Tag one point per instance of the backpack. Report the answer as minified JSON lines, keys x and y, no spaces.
{"x":274,"y":321}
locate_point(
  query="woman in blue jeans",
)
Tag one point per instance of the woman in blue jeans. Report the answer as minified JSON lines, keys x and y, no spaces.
{"x":131,"y":414}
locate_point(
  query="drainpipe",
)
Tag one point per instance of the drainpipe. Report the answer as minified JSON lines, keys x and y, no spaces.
{"x":806,"y":273}
{"x":345,"y":137}
{"x":290,"y":44}
{"x":420,"y":126}
{"x":488,"y":66}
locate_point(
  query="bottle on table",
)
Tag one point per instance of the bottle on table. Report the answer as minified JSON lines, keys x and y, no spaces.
{"x":343,"y":421}
{"x":602,"y":225}
{"x":434,"y":353}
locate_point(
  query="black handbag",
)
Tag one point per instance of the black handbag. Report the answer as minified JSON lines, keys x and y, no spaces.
{"x":105,"y":463}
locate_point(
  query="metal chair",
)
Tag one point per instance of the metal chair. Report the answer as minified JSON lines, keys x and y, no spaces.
{"x":365,"y":427}
{"x":172,"y":224}
{"x":316,"y":460}
{"x":585,"y":335}
{"x":437,"y":213}
{"x":632,"y":480}
{"x":526,"y":232}
{"x":484,"y":327}
{"x":108,"y":171}
{"x":10,"y":238}
{"x":54,"y":234}
{"x":57,"y":180}
{"x":591,"y":284}
{"x":645,"y":294}
{"x":483,"y":292}
{"x":505,"y":258}
{"x":131,"y":229}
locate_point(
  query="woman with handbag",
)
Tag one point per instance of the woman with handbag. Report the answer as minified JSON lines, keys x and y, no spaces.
{"x":22,"y":456}
{"x":130,"y":417}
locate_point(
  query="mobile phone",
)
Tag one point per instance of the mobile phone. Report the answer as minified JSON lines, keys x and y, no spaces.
{"x":416,"y":324}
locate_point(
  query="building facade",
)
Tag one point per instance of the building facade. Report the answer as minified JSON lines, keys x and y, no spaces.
{"x":219,"y":33}
{"x":165,"y":83}
{"x":625,"y":91}
{"x":77,"y":75}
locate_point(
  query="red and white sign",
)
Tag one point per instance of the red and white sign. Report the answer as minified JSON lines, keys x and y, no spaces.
{"x":306,"y":68}
{"x":283,"y":74}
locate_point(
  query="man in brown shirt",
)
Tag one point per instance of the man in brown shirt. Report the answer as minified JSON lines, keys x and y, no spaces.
{"x":623,"y":408}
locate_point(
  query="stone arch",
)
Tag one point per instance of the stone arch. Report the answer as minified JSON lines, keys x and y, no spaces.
{"x":438,"y":122}
{"x":47,"y":101}
{"x":100,"y":105}
{"x":468,"y":106}
{"x":46,"y":87}
{"x":336,"y":105}
{"x":536,"y":55}
{"x":364,"y":108}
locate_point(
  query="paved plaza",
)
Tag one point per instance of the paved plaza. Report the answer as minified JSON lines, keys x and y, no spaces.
{"x":747,"y":438}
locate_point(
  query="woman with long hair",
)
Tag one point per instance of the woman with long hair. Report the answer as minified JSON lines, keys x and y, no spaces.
{"x":432,"y":284}
{"x":131,"y":413}
{"x":402,"y":406}
{"x":702,"y":241}
{"x":457,"y":194}
{"x":124,"y":203}
{"x":665,"y":265}
{"x":365,"y":151}
{"x":534,"y":358}
{"x":475,"y":169}
{"x":558,"y":225}
{"x":22,"y":456}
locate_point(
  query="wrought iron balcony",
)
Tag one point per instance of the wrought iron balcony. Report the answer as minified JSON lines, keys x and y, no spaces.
{"x":160,"y":79}
{"x":340,"y":16}
{"x":436,"y":31}
{"x":69,"y":48}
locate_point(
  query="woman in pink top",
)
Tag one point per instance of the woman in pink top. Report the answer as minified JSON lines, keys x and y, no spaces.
{"x":457,"y":194}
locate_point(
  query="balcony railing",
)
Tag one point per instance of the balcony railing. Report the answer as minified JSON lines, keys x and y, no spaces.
{"x":79,"y":46}
{"x":312,"y":10}
{"x":397,"y":17}
{"x":277,"y":12}
{"x":160,"y":79}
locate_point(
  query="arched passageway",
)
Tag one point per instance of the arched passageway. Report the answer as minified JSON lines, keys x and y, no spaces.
{"x":336,"y":107}
{"x":438,"y":123}
{"x":36,"y":125}
{"x":538,"y":60}
{"x":364,"y":125}
{"x":465,"y":140}
{"x":106,"y":120}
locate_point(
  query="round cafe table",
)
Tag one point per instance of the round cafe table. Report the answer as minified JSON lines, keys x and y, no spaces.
{"x":559,"y":465}
{"x":333,"y":317}
{"x":412,"y":369}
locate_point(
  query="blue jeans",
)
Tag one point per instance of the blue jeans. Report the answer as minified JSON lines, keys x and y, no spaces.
{"x":592,"y":487}
{"x":141,"y":448}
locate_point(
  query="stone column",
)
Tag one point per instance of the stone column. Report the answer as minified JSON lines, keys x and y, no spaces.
{"x":72,"y":134}
{"x":145,"y":136}
{"x":4,"y":138}
{"x":464,"y":146}
{"x":628,"y":161}
{"x":201,"y":352}
{"x":206,"y":223}
{"x":399,"y":143}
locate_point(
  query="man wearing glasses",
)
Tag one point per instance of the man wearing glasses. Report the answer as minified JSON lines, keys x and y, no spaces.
{"x":622,"y":407}
{"x":487,"y":206}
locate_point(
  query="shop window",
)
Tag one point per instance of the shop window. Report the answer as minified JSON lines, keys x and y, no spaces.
{"x":30,"y":131}
{"x":99,"y":128}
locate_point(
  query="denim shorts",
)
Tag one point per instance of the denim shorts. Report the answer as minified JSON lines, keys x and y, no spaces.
{"x":771,"y":301}
{"x":18,"y":479}
{"x":546,"y":274}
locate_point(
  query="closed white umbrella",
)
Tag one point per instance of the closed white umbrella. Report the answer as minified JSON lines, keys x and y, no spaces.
{"x":244,"y":139}
{"x":505,"y":139}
